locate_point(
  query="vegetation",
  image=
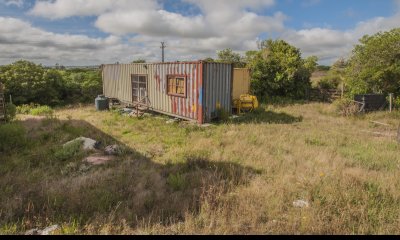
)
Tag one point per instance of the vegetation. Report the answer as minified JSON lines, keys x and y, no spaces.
{"x":238,"y":177}
{"x":335,"y":76}
{"x":29,"y":83}
{"x":140,"y":60}
{"x":11,"y":111}
{"x":228,"y":56}
{"x":374,"y":66}
{"x":279,"y":70}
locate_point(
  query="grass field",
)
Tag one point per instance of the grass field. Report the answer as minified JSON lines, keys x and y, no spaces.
{"x":239,"y":177}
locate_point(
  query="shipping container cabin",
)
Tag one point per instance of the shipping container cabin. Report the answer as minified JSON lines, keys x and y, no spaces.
{"x":188,"y":90}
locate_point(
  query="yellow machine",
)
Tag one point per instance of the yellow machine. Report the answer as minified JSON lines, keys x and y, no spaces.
{"x":246,"y":103}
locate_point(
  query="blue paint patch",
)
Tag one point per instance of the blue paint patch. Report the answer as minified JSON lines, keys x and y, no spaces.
{"x":200,"y":97}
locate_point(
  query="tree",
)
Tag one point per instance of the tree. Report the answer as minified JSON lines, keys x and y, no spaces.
{"x":140,"y":60}
{"x":23,"y":80}
{"x":335,"y":76}
{"x":279,"y":70}
{"x":374,"y":66}
{"x":228,"y":56}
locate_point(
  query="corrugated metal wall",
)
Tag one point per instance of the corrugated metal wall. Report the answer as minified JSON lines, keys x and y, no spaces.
{"x":241,"y":82}
{"x":117,"y":81}
{"x":217,"y":89}
{"x":186,"y":107}
{"x":208,"y":86}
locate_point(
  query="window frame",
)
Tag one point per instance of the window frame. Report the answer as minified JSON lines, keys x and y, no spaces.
{"x":175,"y":76}
{"x":138,"y":84}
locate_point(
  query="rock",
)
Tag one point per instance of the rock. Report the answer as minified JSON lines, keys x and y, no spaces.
{"x":112,"y":150}
{"x":171,"y":121}
{"x":206,"y":125}
{"x":127,"y":110}
{"x":98,"y":159}
{"x":34,"y":231}
{"x":88,"y":144}
{"x":301,"y":204}
{"x":50,"y":230}
{"x":47,"y":231}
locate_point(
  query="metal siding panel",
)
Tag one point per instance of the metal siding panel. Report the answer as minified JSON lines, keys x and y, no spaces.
{"x":218,"y":88}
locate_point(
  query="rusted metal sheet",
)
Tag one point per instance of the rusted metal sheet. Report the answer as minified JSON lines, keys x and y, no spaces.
{"x":187,"y":106}
{"x":241,"y":82}
{"x":217,"y":89}
{"x":205,"y":83}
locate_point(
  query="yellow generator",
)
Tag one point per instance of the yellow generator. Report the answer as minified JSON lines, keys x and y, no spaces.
{"x":246,"y":103}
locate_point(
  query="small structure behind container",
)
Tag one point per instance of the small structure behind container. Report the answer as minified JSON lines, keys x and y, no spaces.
{"x":241,"y":82}
{"x":241,"y":98}
{"x":372,"y":102}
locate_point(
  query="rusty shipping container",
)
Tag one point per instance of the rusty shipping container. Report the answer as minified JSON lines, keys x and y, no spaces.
{"x":187,"y":90}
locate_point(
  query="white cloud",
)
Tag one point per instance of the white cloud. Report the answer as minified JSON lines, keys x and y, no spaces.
{"x":16,"y":3}
{"x":217,"y":24}
{"x":20,"y":40}
{"x":329,"y":44}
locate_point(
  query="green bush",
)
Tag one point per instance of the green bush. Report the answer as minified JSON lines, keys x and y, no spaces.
{"x":176,"y":182}
{"x":35,"y":110}
{"x":69,"y":151}
{"x":12,"y":137}
{"x":11,"y":111}
{"x":346,"y":107}
{"x":25,"y":108}
{"x":42,"y":111}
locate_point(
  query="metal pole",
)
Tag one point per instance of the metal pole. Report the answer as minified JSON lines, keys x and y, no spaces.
{"x":163,"y":48}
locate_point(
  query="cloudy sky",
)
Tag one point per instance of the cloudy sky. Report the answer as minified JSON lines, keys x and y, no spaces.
{"x":90,"y":32}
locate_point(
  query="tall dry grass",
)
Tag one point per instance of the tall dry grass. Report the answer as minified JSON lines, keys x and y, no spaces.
{"x":239,"y":177}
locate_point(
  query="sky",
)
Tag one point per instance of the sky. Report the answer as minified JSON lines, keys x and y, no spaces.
{"x":92,"y":32}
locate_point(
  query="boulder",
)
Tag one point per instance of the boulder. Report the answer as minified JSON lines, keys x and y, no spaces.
{"x":88,"y":143}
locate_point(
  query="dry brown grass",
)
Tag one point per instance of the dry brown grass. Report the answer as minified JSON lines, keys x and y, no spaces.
{"x":235,"y":178}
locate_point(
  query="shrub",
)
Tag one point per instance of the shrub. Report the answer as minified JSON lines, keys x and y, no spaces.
{"x":176,"y":182}
{"x":346,"y":107}
{"x":222,"y":115}
{"x":25,"y":109}
{"x":11,"y":111}
{"x":69,"y":151}
{"x":12,"y":136}
{"x":42,"y":111}
{"x":35,"y":109}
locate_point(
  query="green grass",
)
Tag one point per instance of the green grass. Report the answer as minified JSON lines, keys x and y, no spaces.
{"x":239,"y":176}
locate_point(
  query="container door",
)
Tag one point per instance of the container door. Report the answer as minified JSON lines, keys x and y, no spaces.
{"x":139,"y":89}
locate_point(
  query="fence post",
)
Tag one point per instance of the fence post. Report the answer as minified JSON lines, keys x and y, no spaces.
{"x":391,"y":102}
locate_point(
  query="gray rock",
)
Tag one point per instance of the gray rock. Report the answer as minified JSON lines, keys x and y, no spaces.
{"x":50,"y":230}
{"x":172,"y":121}
{"x":88,"y":144}
{"x":301,"y":204}
{"x":47,"y":231}
{"x":34,"y":231}
{"x":112,"y":150}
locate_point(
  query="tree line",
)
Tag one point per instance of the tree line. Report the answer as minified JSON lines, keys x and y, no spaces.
{"x":27,"y":82}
